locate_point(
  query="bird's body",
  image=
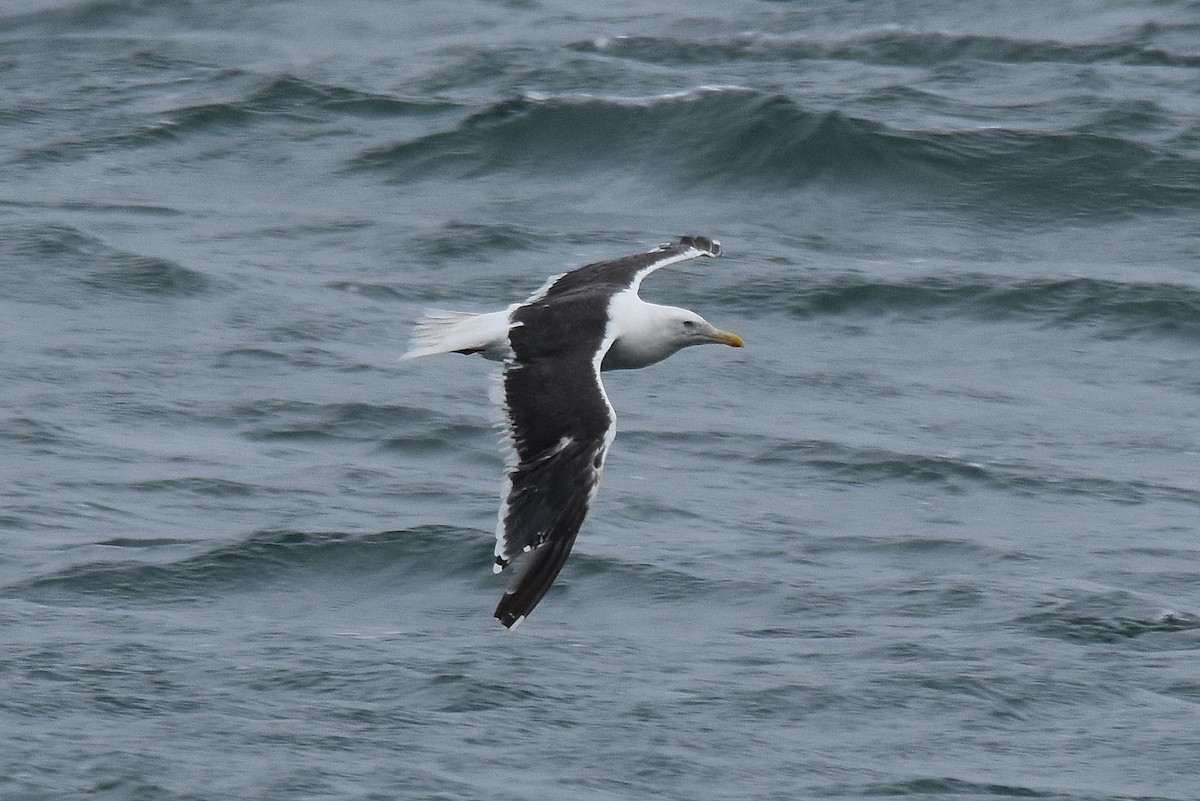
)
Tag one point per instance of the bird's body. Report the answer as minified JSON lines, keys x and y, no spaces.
{"x":559,"y":421}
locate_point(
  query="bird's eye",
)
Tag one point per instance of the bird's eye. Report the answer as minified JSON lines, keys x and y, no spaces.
{"x":688,"y":324}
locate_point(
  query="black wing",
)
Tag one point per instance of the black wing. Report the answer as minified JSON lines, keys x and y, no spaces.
{"x":561,"y":424}
{"x":628,"y":271}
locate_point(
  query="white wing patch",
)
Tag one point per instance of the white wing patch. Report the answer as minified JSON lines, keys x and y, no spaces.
{"x":690,"y":253}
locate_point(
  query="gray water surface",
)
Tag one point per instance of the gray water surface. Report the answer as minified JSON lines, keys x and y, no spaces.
{"x":931,"y":535}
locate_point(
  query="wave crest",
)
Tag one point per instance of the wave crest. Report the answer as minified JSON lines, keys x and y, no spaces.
{"x":263,"y":561}
{"x":729,"y":138}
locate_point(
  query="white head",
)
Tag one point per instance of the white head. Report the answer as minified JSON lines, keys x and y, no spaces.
{"x":656,"y":332}
{"x":687,"y":328}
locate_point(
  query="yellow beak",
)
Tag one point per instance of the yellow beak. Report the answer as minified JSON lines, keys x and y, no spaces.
{"x":728,"y":338}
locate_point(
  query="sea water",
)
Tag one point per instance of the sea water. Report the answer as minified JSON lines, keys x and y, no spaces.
{"x":932,"y":534}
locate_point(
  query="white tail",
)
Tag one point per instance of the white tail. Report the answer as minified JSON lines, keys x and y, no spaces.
{"x":450,"y":332}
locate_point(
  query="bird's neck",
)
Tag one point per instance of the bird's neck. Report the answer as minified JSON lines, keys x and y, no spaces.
{"x":642,"y":338}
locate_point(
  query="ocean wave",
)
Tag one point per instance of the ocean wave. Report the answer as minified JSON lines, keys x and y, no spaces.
{"x":252,"y":102}
{"x":1111,"y":617}
{"x":391,"y":561}
{"x":581,"y":132}
{"x":375,"y":423}
{"x":957,"y":474}
{"x":456,"y":241}
{"x":1113,"y":309}
{"x":264,"y":561}
{"x":949,"y":787}
{"x":292,"y":98}
{"x":89,"y":15}
{"x":741,"y":139}
{"x":34,"y":435}
{"x":46,"y":256}
{"x":193,"y":485}
{"x":891,"y":46}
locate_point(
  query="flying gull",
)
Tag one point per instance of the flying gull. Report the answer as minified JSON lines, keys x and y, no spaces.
{"x":558,"y":418}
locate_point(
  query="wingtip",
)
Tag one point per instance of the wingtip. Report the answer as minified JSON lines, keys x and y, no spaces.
{"x":541,"y":566}
{"x":509,"y":618}
{"x":706,"y":245}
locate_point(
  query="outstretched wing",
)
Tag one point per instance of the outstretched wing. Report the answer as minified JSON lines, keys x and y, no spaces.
{"x":560,"y":424}
{"x":626,"y":272}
